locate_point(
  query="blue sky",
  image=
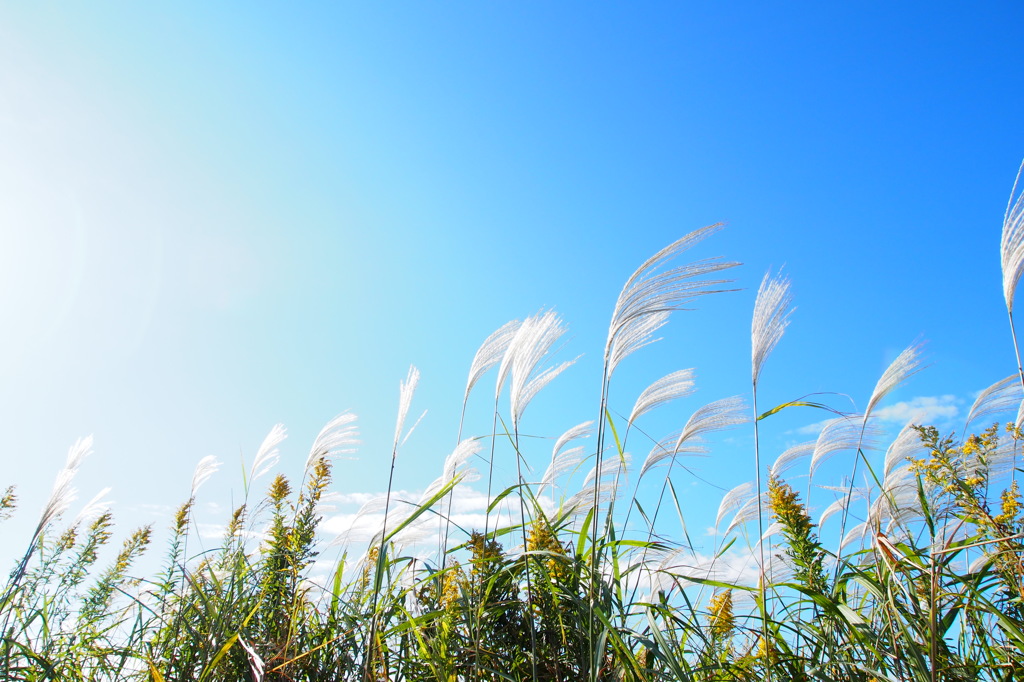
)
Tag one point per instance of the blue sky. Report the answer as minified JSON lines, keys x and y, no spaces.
{"x":213,"y":220}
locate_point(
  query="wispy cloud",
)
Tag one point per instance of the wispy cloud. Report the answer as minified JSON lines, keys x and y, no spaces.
{"x":925,"y":409}
{"x":922,"y":409}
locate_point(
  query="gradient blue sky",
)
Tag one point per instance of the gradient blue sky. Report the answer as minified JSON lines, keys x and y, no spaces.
{"x":214,"y":218}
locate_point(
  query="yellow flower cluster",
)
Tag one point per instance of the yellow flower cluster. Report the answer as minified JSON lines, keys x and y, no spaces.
{"x":543,"y":539}
{"x":720,"y":618}
{"x":1010,"y":505}
{"x":453,"y":583}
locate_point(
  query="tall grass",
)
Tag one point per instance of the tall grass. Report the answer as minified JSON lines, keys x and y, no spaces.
{"x":566,"y":581}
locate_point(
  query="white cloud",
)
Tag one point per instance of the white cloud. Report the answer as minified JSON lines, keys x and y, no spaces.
{"x":922,"y":409}
{"x":812,"y":429}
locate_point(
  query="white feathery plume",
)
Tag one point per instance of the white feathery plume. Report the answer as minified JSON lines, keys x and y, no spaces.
{"x":582,"y":430}
{"x":665,"y":449}
{"x":340,"y":436}
{"x":857,"y":533}
{"x":791,"y":456}
{"x":582,"y":502}
{"x":459,"y":456}
{"x":733,"y":499}
{"x":92,"y":510}
{"x":906,"y":364}
{"x":907,"y":444}
{"x":405,"y":391}
{"x":206,"y":468}
{"x":899,"y":502}
{"x":638,"y":334}
{"x":611,"y":468}
{"x":1002,"y":396}
{"x":774,"y":528}
{"x":979,"y":563}
{"x":771,"y":317}
{"x":78,"y":452}
{"x":750,"y":510}
{"x":1020,"y":416}
{"x":61,"y":497}
{"x":1011,"y":245}
{"x":490,"y":353}
{"x":63,"y":493}
{"x":650,"y":291}
{"x":842,"y":433}
{"x":268,"y":454}
{"x":612,"y":472}
{"x":715,"y":416}
{"x":533,"y":341}
{"x":676,"y":385}
{"x":567,"y":460}
{"x":842,"y":504}
{"x":454,"y":465}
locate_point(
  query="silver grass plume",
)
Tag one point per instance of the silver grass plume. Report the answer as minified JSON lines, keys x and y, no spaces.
{"x":567,"y":461}
{"x":906,"y":365}
{"x":1012,"y":243}
{"x":563,"y":460}
{"x":899,"y":504}
{"x":671,"y":387}
{"x":771,"y":317}
{"x":843,"y":433}
{"x":856,"y":534}
{"x":907,"y":444}
{"x":750,"y":510}
{"x":340,"y":436}
{"x":533,"y":342}
{"x":610,"y":468}
{"x":206,"y":468}
{"x":454,"y":464}
{"x":405,"y":392}
{"x":1002,"y":396}
{"x":734,"y":499}
{"x":774,"y":528}
{"x":640,"y":334}
{"x":604,"y":479}
{"x":715,"y":416}
{"x":268,"y":454}
{"x":791,"y":456}
{"x":841,"y":504}
{"x":61,"y":497}
{"x":490,"y":353}
{"x":651,"y":291}
{"x":582,"y":430}
{"x":93,"y":508}
{"x":63,"y":494}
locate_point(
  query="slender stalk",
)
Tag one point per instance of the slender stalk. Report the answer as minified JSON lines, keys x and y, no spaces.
{"x":381,"y":557}
{"x":526,"y":557}
{"x":1016,"y":347}
{"x":760,"y":534}
{"x":592,"y":596}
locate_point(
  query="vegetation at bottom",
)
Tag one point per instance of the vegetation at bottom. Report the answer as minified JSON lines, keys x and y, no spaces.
{"x":919,"y":574}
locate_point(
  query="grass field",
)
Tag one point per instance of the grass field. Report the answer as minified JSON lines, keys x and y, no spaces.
{"x":924,"y":581}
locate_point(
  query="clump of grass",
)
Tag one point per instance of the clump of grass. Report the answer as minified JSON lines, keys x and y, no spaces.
{"x":928,"y":586}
